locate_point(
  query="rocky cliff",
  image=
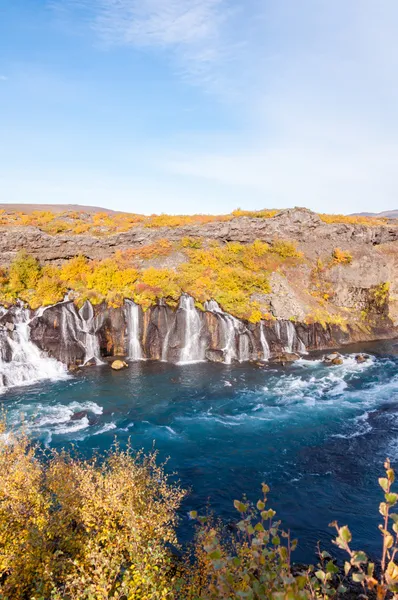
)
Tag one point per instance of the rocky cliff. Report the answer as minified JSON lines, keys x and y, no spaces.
{"x":317,"y":302}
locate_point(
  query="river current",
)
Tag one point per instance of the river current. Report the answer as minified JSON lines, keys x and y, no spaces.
{"x":318,"y":435}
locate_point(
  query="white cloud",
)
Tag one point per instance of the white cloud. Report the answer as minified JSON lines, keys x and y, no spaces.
{"x":195,"y":34}
{"x":3,"y":78}
{"x":313,"y":87}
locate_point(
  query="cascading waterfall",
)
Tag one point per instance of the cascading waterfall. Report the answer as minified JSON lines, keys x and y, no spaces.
{"x":244,"y":348}
{"x":230,"y":328}
{"x":193,"y":349}
{"x":293,"y":341}
{"x":28,"y":364}
{"x":91,"y":343}
{"x":291,"y":334}
{"x":133,"y":328}
{"x":165,"y":346}
{"x":264,"y":343}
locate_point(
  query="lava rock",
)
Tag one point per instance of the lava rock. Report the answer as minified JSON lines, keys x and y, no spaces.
{"x":118,"y":365}
{"x":333,"y":359}
{"x":284,"y":357}
{"x":215,"y":355}
{"x":79,"y":415}
{"x":337,"y":361}
{"x":90,"y":363}
{"x":361,"y":358}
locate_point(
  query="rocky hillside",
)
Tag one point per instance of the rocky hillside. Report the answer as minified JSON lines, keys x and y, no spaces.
{"x":236,"y":287}
{"x":358,"y":286}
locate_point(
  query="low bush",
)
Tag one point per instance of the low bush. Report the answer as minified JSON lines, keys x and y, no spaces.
{"x":342,"y":257}
{"x":84,"y":530}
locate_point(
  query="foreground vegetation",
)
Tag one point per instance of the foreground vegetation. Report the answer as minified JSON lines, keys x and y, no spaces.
{"x":100,"y":529}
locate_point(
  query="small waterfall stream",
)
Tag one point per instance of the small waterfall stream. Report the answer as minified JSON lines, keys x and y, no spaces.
{"x":193,"y":349}
{"x":90,"y":341}
{"x":264,"y":343}
{"x":28,"y":363}
{"x":133,"y":329}
{"x":237,"y":339}
{"x":294,"y":344}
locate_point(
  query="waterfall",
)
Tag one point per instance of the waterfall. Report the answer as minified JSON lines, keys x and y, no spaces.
{"x":169,"y":326}
{"x":193,"y":349}
{"x":28,"y":364}
{"x":213,"y":306}
{"x":244,"y":347}
{"x":91,"y":343}
{"x":264,"y":343}
{"x":291,"y":336}
{"x":287,"y":334}
{"x":294,"y":344}
{"x":230,"y":327}
{"x":133,"y":328}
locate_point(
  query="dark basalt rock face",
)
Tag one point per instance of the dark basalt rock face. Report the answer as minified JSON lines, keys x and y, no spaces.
{"x":75,"y":337}
{"x":157,"y":321}
{"x":112,"y":331}
{"x":56,"y":333}
{"x":215,"y":355}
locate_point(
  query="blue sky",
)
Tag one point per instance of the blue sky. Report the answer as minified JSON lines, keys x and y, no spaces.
{"x":200,"y":105}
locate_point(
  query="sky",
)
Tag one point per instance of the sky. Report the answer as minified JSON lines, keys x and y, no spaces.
{"x":200,"y":106}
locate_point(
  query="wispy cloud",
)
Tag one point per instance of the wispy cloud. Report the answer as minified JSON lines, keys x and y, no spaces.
{"x":316,"y":118}
{"x":3,"y":78}
{"x":198,"y":35}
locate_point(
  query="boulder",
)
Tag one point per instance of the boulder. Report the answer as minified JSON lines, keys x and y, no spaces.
{"x":337,"y":361}
{"x":90,"y":363}
{"x":79,"y":415}
{"x":333,"y":359}
{"x":284,"y":357}
{"x":361,"y":358}
{"x":118,"y":365}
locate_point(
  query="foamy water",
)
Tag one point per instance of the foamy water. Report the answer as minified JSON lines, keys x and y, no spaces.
{"x":317,"y":434}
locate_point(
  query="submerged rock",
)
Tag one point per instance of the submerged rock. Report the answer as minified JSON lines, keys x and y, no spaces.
{"x":361,"y":358}
{"x":79,"y":415}
{"x":284,"y":357}
{"x":118,"y":365}
{"x":90,"y":363}
{"x":333,"y":359}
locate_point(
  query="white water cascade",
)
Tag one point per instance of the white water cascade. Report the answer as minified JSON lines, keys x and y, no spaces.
{"x":293,"y":341}
{"x":91,"y":343}
{"x":264,"y":343}
{"x":133,"y":329}
{"x":169,"y":326}
{"x":230,"y":329}
{"x":193,"y":349}
{"x":28,"y":363}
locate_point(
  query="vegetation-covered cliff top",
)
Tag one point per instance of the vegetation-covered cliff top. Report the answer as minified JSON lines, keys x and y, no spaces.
{"x":100,"y":222}
{"x":289,"y":264}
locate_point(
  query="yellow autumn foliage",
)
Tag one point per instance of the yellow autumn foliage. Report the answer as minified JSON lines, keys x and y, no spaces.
{"x":230,"y":273}
{"x":84,"y":529}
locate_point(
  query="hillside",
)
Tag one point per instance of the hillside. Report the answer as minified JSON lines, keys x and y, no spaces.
{"x":388,"y":214}
{"x":28,"y":209}
{"x":288,"y":264}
